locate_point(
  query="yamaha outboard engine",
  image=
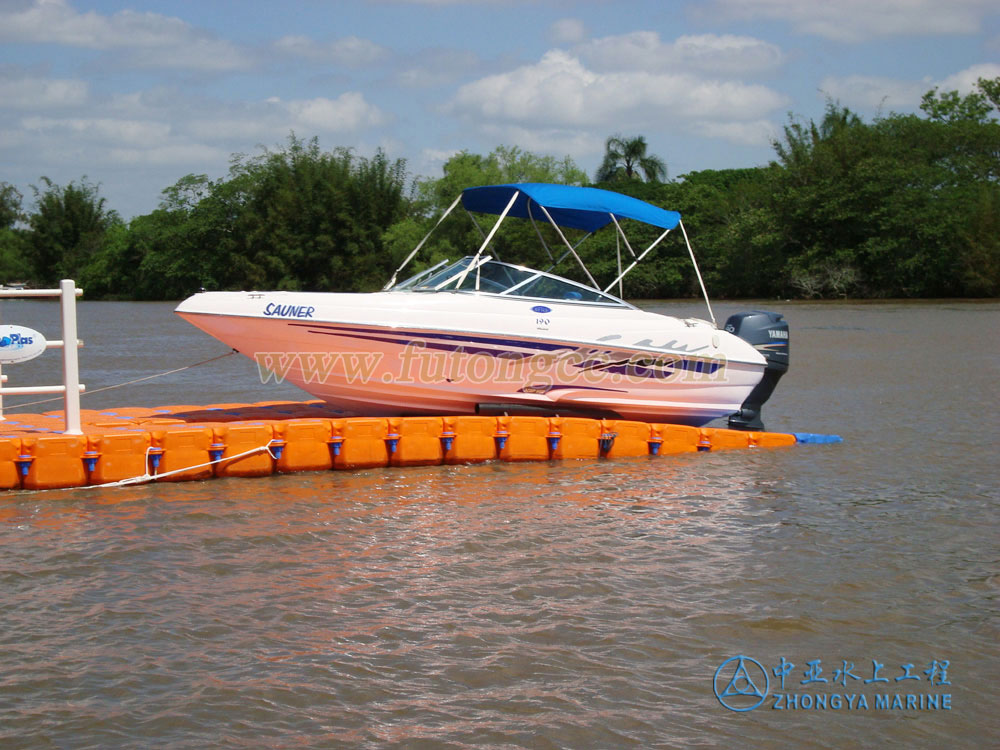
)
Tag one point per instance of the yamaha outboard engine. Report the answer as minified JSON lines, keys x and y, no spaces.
{"x":767,"y":332}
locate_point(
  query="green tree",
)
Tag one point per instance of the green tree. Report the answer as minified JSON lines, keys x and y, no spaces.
{"x":66,"y":229}
{"x":10,"y":205}
{"x":903,"y":206}
{"x":505,"y":164}
{"x":820,"y":201}
{"x":292,"y":218}
{"x":13,"y":266}
{"x":186,"y":193}
{"x":990,"y":88}
{"x":950,"y":106}
{"x":315,"y":220}
{"x":626,"y":159}
{"x":979,"y":262}
{"x":733,"y":231}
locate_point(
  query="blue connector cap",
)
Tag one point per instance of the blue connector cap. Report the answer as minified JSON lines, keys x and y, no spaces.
{"x":812,"y":437}
{"x":335,"y":444}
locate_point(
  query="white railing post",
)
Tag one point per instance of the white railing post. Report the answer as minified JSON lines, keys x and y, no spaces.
{"x":71,"y":361}
{"x":71,"y":387}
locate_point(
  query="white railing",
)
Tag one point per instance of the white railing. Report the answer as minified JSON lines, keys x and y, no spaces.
{"x":71,"y":387}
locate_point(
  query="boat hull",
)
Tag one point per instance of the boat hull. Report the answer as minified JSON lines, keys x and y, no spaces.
{"x":401,"y":353}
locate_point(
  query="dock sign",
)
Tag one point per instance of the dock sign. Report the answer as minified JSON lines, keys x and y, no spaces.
{"x":19,"y":344}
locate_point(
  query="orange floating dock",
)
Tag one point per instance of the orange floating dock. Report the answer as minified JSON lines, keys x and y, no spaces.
{"x":133,"y":445}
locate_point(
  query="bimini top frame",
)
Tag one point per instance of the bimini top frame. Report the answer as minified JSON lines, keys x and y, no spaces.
{"x":582,"y":208}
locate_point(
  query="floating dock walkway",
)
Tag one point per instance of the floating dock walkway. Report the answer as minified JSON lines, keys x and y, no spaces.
{"x":174,"y":443}
{"x":133,"y":445}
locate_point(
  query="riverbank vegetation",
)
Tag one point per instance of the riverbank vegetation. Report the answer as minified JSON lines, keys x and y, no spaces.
{"x":902,"y":206}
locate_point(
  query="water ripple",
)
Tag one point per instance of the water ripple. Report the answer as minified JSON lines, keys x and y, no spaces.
{"x":581,"y":604}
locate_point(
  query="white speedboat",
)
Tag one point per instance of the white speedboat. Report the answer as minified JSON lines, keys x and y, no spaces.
{"x":481,"y":335}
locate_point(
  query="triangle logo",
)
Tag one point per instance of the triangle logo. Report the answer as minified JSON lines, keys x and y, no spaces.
{"x":741,"y":683}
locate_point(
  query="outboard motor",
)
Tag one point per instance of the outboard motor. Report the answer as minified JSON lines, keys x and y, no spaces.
{"x":767,"y":332}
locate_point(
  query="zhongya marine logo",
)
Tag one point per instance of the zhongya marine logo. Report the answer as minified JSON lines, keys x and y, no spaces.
{"x":741,"y":683}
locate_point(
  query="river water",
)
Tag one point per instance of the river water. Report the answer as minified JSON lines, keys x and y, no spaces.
{"x":578,"y":604}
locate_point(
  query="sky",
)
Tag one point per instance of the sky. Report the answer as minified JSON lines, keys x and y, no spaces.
{"x":135,"y":94}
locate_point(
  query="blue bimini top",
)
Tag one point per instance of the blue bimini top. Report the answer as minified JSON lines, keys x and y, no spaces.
{"x":583,"y":208}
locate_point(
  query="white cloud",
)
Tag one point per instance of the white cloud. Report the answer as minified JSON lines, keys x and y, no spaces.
{"x":559,"y":92}
{"x":153,"y":39}
{"x":350,"y":51}
{"x":454,"y":2}
{"x":159,"y":119}
{"x":271,"y":120}
{"x":724,"y":54}
{"x":567,"y":31}
{"x":753,"y":133}
{"x":727,"y":54}
{"x":438,"y":67}
{"x":195,"y":53}
{"x":437,"y":155}
{"x":965,"y":80}
{"x":874,"y":92}
{"x":347,"y":113}
{"x":170,"y":154}
{"x":858,"y":20}
{"x":430,"y":161}
{"x":243,"y":125}
{"x":163,"y":130}
{"x":101,"y":129}
{"x":556,"y":141}
{"x":30,"y":92}
{"x":893,"y":95}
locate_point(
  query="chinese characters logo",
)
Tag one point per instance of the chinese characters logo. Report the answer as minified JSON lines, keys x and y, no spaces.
{"x":742,"y":683}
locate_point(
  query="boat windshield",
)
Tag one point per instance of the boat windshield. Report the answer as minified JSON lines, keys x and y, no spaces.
{"x":490,"y":276}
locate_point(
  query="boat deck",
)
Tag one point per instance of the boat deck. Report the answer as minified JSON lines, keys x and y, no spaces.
{"x":132,"y":445}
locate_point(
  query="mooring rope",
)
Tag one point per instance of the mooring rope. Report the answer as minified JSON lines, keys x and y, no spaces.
{"x":122,"y":385}
{"x":147,"y":477}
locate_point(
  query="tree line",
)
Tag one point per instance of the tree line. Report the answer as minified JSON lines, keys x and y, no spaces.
{"x":901,"y":206}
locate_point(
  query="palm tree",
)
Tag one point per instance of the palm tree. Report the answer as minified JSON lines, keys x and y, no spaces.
{"x":625,"y":158}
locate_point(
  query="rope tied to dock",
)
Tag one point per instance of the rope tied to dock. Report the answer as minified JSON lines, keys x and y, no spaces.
{"x":230,"y":353}
{"x":147,"y":477}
